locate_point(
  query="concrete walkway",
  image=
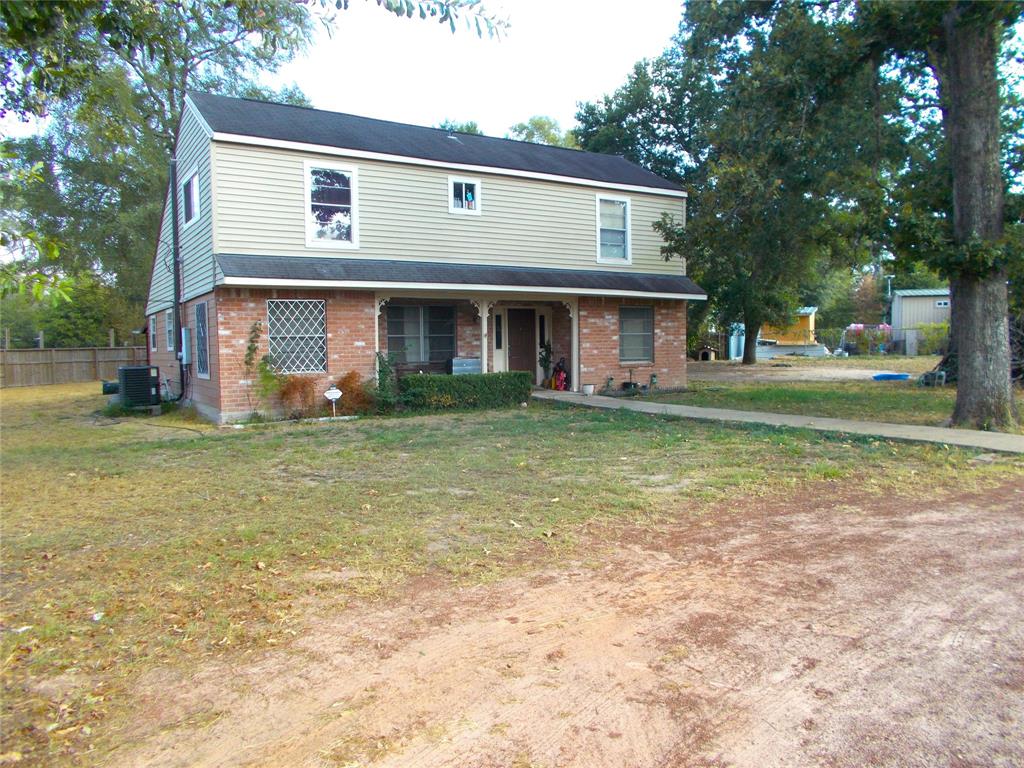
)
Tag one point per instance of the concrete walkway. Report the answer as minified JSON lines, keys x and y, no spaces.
{"x":967,"y":438}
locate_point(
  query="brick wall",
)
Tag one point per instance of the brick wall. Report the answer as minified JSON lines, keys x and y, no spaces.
{"x":599,"y":342}
{"x":350,"y":324}
{"x":203,"y":393}
{"x":350,"y":327}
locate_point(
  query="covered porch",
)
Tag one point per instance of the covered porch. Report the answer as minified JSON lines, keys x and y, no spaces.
{"x":462,"y":332}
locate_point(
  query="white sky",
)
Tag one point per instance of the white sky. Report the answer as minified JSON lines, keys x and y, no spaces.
{"x":554,"y":54}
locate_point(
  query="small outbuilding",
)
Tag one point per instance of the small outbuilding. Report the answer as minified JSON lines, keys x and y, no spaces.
{"x":912,"y":307}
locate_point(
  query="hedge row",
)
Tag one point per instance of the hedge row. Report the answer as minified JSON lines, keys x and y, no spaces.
{"x":473,"y":390}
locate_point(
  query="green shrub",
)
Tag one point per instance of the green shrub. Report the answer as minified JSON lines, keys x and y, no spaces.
{"x":933,"y":338}
{"x":475,"y":390}
{"x":385,"y":393}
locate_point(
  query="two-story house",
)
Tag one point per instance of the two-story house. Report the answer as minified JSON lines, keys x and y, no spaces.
{"x":345,"y":236}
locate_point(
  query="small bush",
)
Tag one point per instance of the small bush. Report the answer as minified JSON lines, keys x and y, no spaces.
{"x":475,"y":390}
{"x":299,"y":397}
{"x":356,"y":395}
{"x":933,"y":338}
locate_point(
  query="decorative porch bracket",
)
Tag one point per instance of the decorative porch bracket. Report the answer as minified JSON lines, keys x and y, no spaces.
{"x":378,"y":307}
{"x":483,"y":308}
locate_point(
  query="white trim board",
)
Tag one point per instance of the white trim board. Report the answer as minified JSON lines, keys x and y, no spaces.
{"x":234,"y":138}
{"x":383,"y":287}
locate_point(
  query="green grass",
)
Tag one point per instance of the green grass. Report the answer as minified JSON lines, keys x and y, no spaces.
{"x":898,"y":402}
{"x":134,"y":543}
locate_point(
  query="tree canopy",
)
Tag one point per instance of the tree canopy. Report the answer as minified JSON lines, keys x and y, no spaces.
{"x":541,"y":129}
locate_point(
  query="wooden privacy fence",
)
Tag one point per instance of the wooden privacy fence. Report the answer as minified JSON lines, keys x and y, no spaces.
{"x":33,"y":367}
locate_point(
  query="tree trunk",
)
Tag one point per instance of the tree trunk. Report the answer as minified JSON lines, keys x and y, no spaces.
{"x":970,"y":116}
{"x":750,"y":330}
{"x":980,"y":326}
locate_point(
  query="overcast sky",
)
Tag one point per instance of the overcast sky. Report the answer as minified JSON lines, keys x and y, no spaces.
{"x":554,"y":54}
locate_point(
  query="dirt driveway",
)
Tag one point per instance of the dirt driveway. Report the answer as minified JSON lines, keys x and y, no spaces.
{"x":781,"y":370}
{"x":847,"y":629}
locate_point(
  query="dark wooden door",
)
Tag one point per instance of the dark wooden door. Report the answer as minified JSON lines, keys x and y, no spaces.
{"x":522,"y":340}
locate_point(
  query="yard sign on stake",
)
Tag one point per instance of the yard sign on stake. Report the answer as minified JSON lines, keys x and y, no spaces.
{"x":332,"y":394}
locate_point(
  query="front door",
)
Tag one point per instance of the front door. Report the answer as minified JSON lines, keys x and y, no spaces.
{"x":522,"y":340}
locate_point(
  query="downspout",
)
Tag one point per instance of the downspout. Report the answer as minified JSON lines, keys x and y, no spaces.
{"x":176,"y":260}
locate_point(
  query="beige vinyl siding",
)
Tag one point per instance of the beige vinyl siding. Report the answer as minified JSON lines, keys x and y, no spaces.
{"x":403,"y":214}
{"x":198,"y":267}
{"x":161,"y":285}
{"x":911,"y":311}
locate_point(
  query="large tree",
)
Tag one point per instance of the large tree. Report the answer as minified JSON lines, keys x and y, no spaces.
{"x":111,"y":75}
{"x":117,"y":74}
{"x":959,"y":42}
{"x":783,"y":180}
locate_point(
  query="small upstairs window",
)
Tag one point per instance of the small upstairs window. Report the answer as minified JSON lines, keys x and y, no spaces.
{"x":942,"y":303}
{"x":464,"y":195}
{"x":190,"y":198}
{"x":613,"y":229}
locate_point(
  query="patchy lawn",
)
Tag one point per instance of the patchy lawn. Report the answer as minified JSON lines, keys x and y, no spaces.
{"x":134,"y":545}
{"x":896,"y":363}
{"x":897,"y":402}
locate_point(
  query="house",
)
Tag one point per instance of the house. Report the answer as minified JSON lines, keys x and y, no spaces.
{"x":796,"y":338}
{"x":344,"y":236}
{"x":800,"y":332}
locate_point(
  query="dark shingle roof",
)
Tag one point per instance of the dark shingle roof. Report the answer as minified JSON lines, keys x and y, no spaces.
{"x":382,"y":271}
{"x":284,"y":122}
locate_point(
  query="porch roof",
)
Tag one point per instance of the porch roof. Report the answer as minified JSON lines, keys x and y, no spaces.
{"x":327,"y":272}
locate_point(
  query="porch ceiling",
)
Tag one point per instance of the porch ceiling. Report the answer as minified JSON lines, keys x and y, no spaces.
{"x":384,"y":274}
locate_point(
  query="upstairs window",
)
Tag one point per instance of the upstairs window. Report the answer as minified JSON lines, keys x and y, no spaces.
{"x":464,"y":195}
{"x":942,"y":303}
{"x":298,"y":335}
{"x":331,"y":209}
{"x":190,"y":198}
{"x":636,"y":335}
{"x":613,"y":229}
{"x":418,"y":334}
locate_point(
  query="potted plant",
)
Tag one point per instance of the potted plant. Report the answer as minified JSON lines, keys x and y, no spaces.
{"x":545,"y":361}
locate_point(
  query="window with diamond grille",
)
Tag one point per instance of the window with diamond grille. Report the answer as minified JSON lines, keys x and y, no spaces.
{"x":202,"y":343}
{"x":298,"y":335}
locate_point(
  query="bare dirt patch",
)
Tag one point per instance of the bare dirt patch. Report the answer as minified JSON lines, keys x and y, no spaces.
{"x":842,"y":629}
{"x":781,"y":370}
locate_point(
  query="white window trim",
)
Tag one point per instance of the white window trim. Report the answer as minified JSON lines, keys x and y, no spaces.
{"x":169,"y":330}
{"x":942,"y":303}
{"x":479,"y":196}
{"x":206,"y":312}
{"x":193,"y":176}
{"x":327,"y":351}
{"x":629,"y":229}
{"x":311,"y":239}
{"x":152,"y":333}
